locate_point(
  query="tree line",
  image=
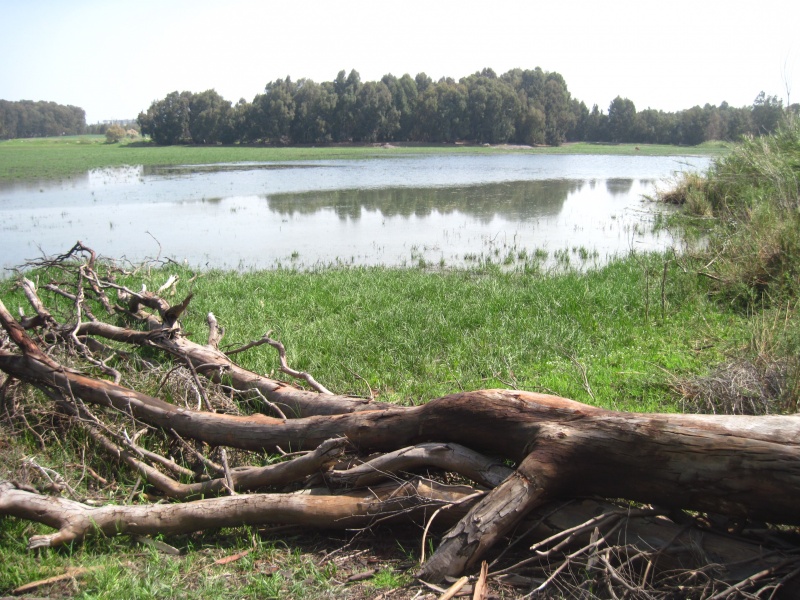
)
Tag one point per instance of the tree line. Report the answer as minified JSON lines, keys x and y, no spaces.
{"x":27,"y":118}
{"x":520,"y":107}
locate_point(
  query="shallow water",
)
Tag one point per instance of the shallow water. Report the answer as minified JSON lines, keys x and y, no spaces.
{"x":449,"y":210}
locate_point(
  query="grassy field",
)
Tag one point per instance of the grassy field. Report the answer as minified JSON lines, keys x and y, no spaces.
{"x":414,"y":334}
{"x":48,"y":158}
{"x":611,"y":337}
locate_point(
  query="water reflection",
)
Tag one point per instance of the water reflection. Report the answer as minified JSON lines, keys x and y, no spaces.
{"x":520,"y":200}
{"x":619,"y":187}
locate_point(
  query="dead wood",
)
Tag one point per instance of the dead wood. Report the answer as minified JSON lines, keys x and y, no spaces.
{"x":407,"y":501}
{"x":447,"y":457}
{"x":72,"y":573}
{"x":743,"y":467}
{"x":648,"y":535}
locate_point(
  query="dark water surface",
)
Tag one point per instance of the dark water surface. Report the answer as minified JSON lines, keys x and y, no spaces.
{"x":393,"y":211}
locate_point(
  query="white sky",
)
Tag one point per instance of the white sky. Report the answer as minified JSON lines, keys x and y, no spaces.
{"x":114,"y":57}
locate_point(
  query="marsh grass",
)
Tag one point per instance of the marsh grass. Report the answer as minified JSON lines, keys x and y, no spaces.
{"x":751,"y":199}
{"x":746,"y":211}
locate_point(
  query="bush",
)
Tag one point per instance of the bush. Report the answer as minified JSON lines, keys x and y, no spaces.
{"x":689,"y":192}
{"x":753,"y":194}
{"x":115,"y":133}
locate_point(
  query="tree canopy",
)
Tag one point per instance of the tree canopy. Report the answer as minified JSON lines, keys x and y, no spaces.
{"x":27,"y":118}
{"x":519,"y":107}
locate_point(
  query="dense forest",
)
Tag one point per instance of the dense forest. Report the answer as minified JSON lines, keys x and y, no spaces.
{"x":27,"y":118}
{"x":519,"y":107}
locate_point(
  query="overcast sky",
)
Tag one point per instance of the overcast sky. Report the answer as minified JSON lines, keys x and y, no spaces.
{"x":114,"y":57}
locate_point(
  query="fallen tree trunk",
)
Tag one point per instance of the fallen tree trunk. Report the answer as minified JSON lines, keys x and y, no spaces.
{"x":742,"y":467}
{"x":737,"y":465}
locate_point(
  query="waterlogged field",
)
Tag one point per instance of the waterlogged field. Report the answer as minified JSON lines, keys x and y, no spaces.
{"x":435,"y":209}
{"x":50,"y":158}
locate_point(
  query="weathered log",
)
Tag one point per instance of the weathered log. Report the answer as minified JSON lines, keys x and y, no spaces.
{"x":745,"y":467}
{"x":533,"y":483}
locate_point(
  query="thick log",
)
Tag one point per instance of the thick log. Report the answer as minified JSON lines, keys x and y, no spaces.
{"x":739,"y":465}
{"x":534,"y":482}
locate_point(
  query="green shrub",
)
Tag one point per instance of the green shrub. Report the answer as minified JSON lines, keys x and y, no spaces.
{"x":115,"y":133}
{"x":753,"y":194}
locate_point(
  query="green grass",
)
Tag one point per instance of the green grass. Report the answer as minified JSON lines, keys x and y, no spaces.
{"x":48,"y":158}
{"x":124,"y":569}
{"x":419,"y":333}
{"x":415,"y":335}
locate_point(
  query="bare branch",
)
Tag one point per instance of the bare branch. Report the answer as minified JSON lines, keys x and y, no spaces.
{"x":285,"y":368}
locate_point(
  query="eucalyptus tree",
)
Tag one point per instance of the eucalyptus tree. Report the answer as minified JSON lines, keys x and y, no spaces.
{"x":345,"y":113}
{"x":273,"y":112}
{"x":691,"y":127}
{"x":529,"y":126}
{"x":530,"y":119}
{"x":738,"y":121}
{"x":621,"y":119}
{"x":715,"y":123}
{"x":531,"y":82}
{"x":423,"y":82}
{"x":209,"y":117}
{"x":443,"y":115}
{"x":236,"y":129}
{"x":376,"y":117}
{"x":596,"y":125}
{"x":314,"y":110}
{"x":558,"y":117}
{"x":544,"y":93}
{"x":580,"y":117}
{"x":493,"y":108}
{"x":167,"y":120}
{"x":653,"y":126}
{"x":26,"y":118}
{"x":404,"y":98}
{"x":767,"y":114}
